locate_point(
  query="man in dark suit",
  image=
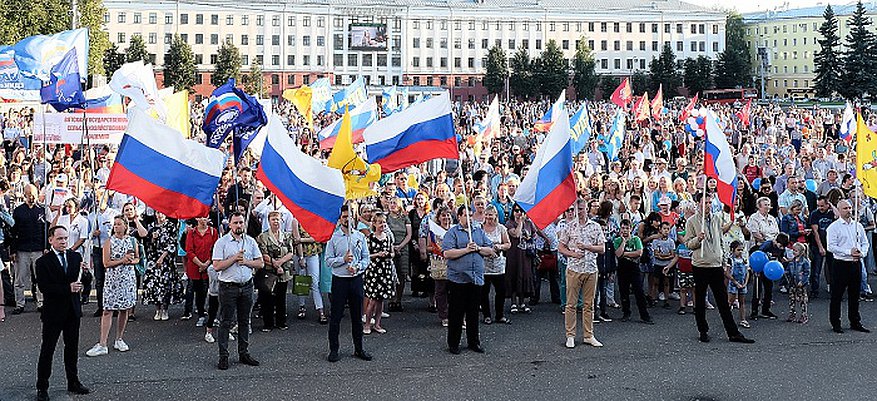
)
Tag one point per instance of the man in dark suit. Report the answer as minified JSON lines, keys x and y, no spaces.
{"x":58,"y":277}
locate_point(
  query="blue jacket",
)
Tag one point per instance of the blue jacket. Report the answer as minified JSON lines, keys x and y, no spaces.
{"x":789,"y":225}
{"x":798,"y":271}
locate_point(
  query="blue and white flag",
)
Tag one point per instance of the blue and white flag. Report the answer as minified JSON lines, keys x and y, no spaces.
{"x":63,"y":89}
{"x":389,"y":103}
{"x":230,"y":110}
{"x":612,"y":144}
{"x":352,"y":96}
{"x":580,"y":129}
{"x":321,"y":96}
{"x":32,"y":59}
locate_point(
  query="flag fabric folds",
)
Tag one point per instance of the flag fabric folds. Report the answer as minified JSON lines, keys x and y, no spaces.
{"x":321,"y":99}
{"x":358,"y":175}
{"x":63,"y":89}
{"x":25,"y":65}
{"x":389,"y":101}
{"x":175,"y":176}
{"x":718,"y":161}
{"x":230,"y":110}
{"x":866,"y":157}
{"x":848,"y":125}
{"x":744,"y":112}
{"x":642,"y":108}
{"x":488,"y":128}
{"x":658,"y":103}
{"x":177,"y":106}
{"x":580,"y":129}
{"x":549,"y":186}
{"x":137,"y":82}
{"x":623,"y":94}
{"x":103,"y":100}
{"x":302,"y":99}
{"x":313,"y":192}
{"x":352,"y":95}
{"x":360,"y":117}
{"x":544,"y":123}
{"x":686,"y":112}
{"x":420,"y":133}
{"x":612,"y":144}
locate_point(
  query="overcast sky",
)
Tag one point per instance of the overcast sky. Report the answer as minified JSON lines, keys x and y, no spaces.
{"x":745,"y":6}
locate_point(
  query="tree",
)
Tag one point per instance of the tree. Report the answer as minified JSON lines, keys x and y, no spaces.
{"x":91,"y":16}
{"x":23,"y":18}
{"x":663,"y":71}
{"x":112,"y":60}
{"x":827,"y":60}
{"x":697,"y":74}
{"x":254,"y":82}
{"x":521,"y":82}
{"x":553,"y":71}
{"x":733,"y":68}
{"x":860,"y":61}
{"x":584,"y":78}
{"x":137,"y":50}
{"x":640,"y":82}
{"x":228,"y":64}
{"x":608,"y":84}
{"x":497,"y":69}
{"x":179,"y":65}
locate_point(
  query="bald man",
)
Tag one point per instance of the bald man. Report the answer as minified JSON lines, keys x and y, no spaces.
{"x":848,"y":244}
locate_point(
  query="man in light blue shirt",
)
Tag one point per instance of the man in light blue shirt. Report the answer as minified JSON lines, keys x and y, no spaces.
{"x":347,"y":255}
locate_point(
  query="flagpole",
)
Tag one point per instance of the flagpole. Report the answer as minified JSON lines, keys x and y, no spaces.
{"x":465,"y":199}
{"x":703,"y":210}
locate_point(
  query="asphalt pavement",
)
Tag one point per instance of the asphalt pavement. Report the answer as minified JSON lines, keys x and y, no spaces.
{"x":524,"y":361}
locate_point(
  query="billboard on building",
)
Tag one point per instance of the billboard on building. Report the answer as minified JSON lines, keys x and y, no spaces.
{"x":368,"y":37}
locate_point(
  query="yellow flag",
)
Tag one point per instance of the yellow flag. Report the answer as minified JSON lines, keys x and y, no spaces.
{"x":177,"y":106}
{"x":866,"y":157}
{"x":358,"y":175}
{"x":301,"y":99}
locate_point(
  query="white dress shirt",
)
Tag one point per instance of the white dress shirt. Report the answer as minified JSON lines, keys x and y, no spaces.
{"x":844,"y":235}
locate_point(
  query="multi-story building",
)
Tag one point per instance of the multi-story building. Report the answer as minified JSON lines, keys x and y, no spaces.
{"x":783,"y":43}
{"x":410,"y":42}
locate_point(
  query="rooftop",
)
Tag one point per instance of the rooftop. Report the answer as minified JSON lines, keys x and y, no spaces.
{"x":806,"y":12}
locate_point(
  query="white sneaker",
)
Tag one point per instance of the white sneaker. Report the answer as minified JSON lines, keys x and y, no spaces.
{"x":661,"y":297}
{"x":230,"y":337}
{"x":209,"y":338}
{"x":120,"y":345}
{"x":444,"y":322}
{"x":592,"y":342}
{"x":164,"y":315}
{"x":157,"y":315}
{"x":674,"y":296}
{"x":201,"y":321}
{"x":570,"y":342}
{"x":363,"y":318}
{"x":385,"y":315}
{"x":234,"y":330}
{"x":97,"y":350}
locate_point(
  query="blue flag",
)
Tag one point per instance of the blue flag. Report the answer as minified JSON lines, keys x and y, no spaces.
{"x":230,"y":110}
{"x":613,"y":143}
{"x":580,"y":129}
{"x":64,"y":91}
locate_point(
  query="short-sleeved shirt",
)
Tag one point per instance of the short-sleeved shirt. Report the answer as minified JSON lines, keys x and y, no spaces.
{"x":633,"y":244}
{"x":226,"y":246}
{"x":469,"y":268}
{"x":588,"y":234}
{"x":663,"y":246}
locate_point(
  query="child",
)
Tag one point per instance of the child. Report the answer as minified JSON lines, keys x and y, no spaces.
{"x":212,"y":305}
{"x":663,"y":252}
{"x":798,"y":277}
{"x":685,"y":274}
{"x":737,"y":273}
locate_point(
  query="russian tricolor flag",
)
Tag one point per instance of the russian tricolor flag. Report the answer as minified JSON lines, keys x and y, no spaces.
{"x":171,"y":174}
{"x":313,"y":192}
{"x":718,"y":161}
{"x":422,"y":132}
{"x":361,"y":117}
{"x":549,"y":187}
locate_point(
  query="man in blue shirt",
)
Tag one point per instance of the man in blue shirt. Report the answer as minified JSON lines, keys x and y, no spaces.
{"x":347,"y":255}
{"x":465,"y":258}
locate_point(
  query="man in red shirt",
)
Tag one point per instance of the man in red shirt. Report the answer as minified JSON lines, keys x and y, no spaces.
{"x":752,"y":171}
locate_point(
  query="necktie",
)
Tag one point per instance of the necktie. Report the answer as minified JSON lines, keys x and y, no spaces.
{"x":63,"y":261}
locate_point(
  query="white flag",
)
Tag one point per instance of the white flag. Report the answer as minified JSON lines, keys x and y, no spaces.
{"x":137,"y":81}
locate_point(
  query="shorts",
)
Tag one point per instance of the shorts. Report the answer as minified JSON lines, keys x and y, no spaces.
{"x":686,"y":280}
{"x":646,"y":267}
{"x":733,"y":290}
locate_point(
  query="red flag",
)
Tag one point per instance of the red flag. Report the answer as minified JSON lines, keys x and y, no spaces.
{"x":658,"y":103}
{"x":642,"y":108}
{"x":743,"y":114}
{"x":687,"y":110}
{"x":623,"y":94}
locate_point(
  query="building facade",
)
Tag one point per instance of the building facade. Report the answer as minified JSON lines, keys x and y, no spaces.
{"x":783,"y":45}
{"x":413,"y":42}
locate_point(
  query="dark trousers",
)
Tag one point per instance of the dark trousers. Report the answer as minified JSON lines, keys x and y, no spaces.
{"x":273,"y":305}
{"x":51,"y":331}
{"x":212,"y":310}
{"x":603,"y":284}
{"x":845,"y":277}
{"x":816,"y":269}
{"x":498,"y":283}
{"x":630,"y":278}
{"x":712,"y":278}
{"x":763,"y":290}
{"x":97,"y":263}
{"x":463,"y":300}
{"x":236,"y":302}
{"x":346,"y":291}
{"x":8,"y":290}
{"x":196,"y":290}
{"x":553,"y":285}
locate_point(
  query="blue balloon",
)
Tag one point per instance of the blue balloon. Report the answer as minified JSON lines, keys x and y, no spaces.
{"x":757,"y":261}
{"x":811,"y":185}
{"x":756,"y":183}
{"x":773,"y":270}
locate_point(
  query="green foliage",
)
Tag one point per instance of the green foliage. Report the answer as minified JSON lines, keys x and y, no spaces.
{"x":137,"y":50}
{"x":179,"y":65}
{"x":228,"y":64}
{"x":91,"y":16}
{"x":697,"y":75}
{"x":553,"y":71}
{"x":829,"y":66}
{"x":607,"y":85}
{"x":254,"y":83}
{"x":860,"y":62}
{"x":733,"y":68}
{"x":584,"y":78}
{"x":521,"y":81}
{"x":497,"y":70}
{"x":112,"y":60}
{"x":663,"y":71}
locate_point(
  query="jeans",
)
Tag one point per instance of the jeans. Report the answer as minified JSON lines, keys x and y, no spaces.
{"x":845,"y":277}
{"x":312,"y":268}
{"x":24,"y":269}
{"x":712,"y":278}
{"x":196,"y":290}
{"x":463,"y":301}
{"x":498,"y":282}
{"x":212,"y":310}
{"x":236,"y":302}
{"x":865,"y":288}
{"x":51,"y":331}
{"x":818,"y":261}
{"x":629,"y":277}
{"x":553,"y":285}
{"x":346,"y":291}
{"x":273,"y":305}
{"x":584,"y":285}
{"x":763,"y":290}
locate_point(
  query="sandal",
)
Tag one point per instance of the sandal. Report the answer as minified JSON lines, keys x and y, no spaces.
{"x":744,"y":324}
{"x":526,"y":309}
{"x":488,"y":321}
{"x":504,"y":320}
{"x":301,"y":312}
{"x":513,"y":309}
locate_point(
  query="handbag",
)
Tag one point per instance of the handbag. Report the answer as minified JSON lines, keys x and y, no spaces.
{"x":301,"y":284}
{"x":547,"y":261}
{"x":140,"y":267}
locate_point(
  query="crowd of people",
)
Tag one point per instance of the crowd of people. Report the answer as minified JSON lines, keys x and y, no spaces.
{"x":441,"y":235}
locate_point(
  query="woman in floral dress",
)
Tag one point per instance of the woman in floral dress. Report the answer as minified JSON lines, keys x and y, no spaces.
{"x":380,"y":277}
{"x":161,"y":283}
